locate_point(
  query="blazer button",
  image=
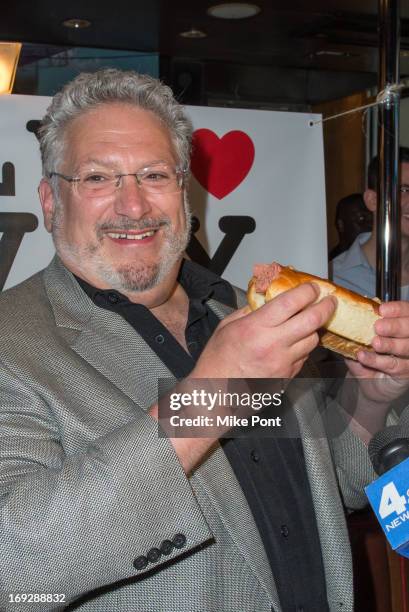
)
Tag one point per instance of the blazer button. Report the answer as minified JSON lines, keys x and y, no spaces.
{"x":153,"y":555}
{"x":113,"y":298}
{"x":179,"y":540}
{"x":140,"y":562}
{"x":166,"y":547}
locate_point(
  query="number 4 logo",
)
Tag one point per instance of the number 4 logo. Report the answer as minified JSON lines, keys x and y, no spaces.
{"x":391,"y":501}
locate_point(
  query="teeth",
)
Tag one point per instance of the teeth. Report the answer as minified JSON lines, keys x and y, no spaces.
{"x":132,"y":236}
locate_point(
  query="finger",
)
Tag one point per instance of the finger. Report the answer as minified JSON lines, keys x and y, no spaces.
{"x":393,"y":346}
{"x":286,"y":305}
{"x":309,"y":320}
{"x":357,"y":369}
{"x":397,"y":327}
{"x":297,"y":366}
{"x":389,"y":364}
{"x":302,"y":348}
{"x":299,"y":351}
{"x":394,"y":309}
{"x":234,"y":316}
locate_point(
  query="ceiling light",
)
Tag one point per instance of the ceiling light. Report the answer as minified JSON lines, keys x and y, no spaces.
{"x":9,"y":54}
{"x":233,"y":10}
{"x":76,"y":24}
{"x":193,"y":33}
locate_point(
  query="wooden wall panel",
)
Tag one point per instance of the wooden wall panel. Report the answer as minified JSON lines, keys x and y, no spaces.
{"x":344,"y":149}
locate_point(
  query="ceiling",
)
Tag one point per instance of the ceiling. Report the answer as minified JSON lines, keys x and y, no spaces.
{"x":293,"y":54}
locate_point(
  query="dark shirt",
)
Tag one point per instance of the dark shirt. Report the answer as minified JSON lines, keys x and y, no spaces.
{"x":271,"y":471}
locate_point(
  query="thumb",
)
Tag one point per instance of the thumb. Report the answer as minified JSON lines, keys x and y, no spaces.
{"x":236,"y":314}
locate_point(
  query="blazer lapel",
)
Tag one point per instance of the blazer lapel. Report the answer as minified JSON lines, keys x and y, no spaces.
{"x":103,"y":338}
{"x":123,"y":357}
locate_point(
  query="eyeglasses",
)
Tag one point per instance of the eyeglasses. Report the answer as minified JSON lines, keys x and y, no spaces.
{"x":156,"y":180}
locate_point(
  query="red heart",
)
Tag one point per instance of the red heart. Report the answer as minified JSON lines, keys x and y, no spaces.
{"x":221,"y":164}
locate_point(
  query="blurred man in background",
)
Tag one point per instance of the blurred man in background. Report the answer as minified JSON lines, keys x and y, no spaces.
{"x":352,"y":218}
{"x":355,"y":269}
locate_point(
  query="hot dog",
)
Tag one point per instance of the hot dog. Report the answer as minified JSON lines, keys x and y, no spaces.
{"x":351,"y":327}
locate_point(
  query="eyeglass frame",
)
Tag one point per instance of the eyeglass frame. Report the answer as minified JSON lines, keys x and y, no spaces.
{"x":402,"y":189}
{"x":77,"y":179}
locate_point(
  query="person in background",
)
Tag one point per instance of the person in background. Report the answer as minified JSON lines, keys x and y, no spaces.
{"x":352,"y":218}
{"x":355,"y":269}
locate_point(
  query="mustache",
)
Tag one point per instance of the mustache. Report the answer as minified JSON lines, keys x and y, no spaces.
{"x":114,"y":225}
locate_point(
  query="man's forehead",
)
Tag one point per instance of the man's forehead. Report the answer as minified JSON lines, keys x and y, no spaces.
{"x":117,"y":116}
{"x":124,"y":127}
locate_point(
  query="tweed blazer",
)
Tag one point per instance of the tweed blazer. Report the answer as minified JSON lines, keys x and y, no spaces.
{"x":87,"y":487}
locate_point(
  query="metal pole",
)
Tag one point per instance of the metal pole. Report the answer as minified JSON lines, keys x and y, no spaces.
{"x":388,"y":209}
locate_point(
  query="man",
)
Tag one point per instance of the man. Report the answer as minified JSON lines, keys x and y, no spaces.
{"x":96,"y":508}
{"x":355,"y":269}
{"x":351,"y":219}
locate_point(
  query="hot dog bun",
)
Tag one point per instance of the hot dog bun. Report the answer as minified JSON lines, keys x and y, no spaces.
{"x":351,"y":327}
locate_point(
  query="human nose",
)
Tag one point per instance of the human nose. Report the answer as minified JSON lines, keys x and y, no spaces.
{"x":130,"y":199}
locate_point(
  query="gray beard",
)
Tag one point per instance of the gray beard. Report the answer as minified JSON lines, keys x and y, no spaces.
{"x":133,"y":277}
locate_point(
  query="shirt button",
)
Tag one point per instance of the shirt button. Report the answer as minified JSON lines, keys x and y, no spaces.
{"x":153,"y":555}
{"x":166,"y":547}
{"x":140,"y":562}
{"x":179,"y":540}
{"x":255,"y":456}
{"x":284,"y":531}
{"x":113,"y":298}
{"x":99,"y":296}
{"x":159,"y":339}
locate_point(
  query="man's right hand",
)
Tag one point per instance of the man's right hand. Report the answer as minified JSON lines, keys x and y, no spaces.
{"x":271,"y":342}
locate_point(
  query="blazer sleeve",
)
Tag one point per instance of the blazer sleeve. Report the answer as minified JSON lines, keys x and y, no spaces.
{"x":72,"y":524}
{"x":353,"y":467}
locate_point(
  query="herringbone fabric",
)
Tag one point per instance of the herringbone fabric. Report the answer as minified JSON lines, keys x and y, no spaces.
{"x":87,"y":486}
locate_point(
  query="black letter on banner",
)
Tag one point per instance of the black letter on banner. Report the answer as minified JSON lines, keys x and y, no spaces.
{"x":13,"y":226}
{"x":235,"y":229}
{"x":195,"y":250}
{"x":8,"y":182}
{"x":33,"y":126}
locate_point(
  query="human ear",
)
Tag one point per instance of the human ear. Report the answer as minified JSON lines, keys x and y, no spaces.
{"x":47,"y":203}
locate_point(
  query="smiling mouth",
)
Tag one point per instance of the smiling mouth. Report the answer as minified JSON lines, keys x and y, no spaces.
{"x":126,"y":236}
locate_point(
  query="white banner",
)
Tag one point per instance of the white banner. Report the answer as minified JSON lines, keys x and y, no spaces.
{"x":257,"y":191}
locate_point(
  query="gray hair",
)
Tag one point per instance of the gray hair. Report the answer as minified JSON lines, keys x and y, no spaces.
{"x":89,"y":90}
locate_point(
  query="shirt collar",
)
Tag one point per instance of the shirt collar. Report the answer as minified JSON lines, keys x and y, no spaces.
{"x":355,"y":256}
{"x":199,"y":283}
{"x":203,"y":284}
